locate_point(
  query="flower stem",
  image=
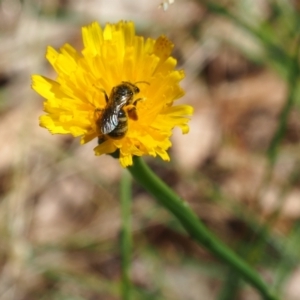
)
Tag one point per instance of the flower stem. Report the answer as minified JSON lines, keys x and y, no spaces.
{"x":126,"y":243}
{"x":188,"y":219}
{"x":293,"y":74}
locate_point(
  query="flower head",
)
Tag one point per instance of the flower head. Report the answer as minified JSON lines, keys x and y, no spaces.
{"x":120,"y":82}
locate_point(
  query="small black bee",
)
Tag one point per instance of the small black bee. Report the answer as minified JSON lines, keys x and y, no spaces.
{"x":113,"y":119}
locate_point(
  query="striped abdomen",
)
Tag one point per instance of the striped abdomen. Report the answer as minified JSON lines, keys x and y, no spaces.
{"x":121,"y":129}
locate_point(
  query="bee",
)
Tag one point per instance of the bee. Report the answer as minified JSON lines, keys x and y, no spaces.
{"x":113,"y":119}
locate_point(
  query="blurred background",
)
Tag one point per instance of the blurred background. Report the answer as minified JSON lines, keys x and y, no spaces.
{"x":239,"y":167}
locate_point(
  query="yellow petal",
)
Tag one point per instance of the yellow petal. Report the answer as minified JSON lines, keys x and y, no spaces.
{"x":111,"y":56}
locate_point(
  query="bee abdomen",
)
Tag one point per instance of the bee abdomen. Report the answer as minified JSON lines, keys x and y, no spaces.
{"x":121,"y":129}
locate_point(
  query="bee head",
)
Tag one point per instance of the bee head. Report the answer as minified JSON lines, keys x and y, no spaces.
{"x":128,"y":89}
{"x":136,"y":90}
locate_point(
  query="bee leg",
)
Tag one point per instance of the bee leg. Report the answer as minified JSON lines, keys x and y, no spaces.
{"x":136,"y":101}
{"x":131,"y":111}
{"x":97,"y":114}
{"x":105,"y":95}
{"x":97,"y":119}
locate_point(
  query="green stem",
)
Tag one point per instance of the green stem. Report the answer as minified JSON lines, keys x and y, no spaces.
{"x":126,"y":243}
{"x":231,"y":286}
{"x":188,"y":219}
{"x":293,"y":69}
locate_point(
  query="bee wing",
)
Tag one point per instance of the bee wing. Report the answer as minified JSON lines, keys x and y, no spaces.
{"x":109,"y":122}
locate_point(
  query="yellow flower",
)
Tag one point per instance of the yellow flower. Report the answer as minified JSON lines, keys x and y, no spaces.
{"x":76,"y":100}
